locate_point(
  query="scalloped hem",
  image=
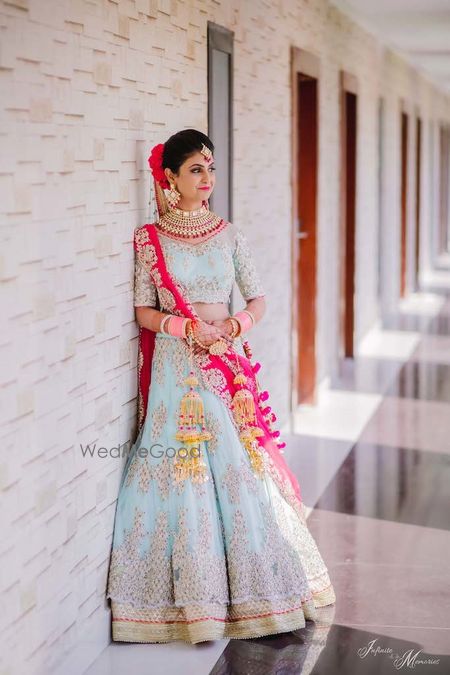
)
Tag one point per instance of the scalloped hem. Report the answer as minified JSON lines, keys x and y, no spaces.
{"x":324,"y":597}
{"x":215,"y":622}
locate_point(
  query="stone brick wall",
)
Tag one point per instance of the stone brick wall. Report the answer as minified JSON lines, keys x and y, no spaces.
{"x":87,"y":89}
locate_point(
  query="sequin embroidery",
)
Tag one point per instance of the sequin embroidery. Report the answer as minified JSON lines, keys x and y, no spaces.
{"x":205,"y":271}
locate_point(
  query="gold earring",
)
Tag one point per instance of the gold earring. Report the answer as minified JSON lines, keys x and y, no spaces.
{"x":173,"y":196}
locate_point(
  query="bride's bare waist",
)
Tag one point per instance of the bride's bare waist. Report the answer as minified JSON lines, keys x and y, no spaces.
{"x":211,"y":311}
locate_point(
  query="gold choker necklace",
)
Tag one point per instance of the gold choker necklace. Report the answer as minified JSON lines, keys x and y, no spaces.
{"x":189,"y":224}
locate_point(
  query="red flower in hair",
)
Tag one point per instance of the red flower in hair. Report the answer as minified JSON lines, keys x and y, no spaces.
{"x":155,"y":164}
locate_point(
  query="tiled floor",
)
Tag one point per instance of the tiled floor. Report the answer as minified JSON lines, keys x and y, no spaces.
{"x":373,"y":459}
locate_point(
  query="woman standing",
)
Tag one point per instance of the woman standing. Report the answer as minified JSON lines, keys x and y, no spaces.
{"x":210,"y":537}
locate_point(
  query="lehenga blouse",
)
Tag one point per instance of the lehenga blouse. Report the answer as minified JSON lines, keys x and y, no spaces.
{"x":206,"y":269}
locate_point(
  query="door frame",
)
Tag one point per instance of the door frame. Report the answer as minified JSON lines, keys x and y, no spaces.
{"x":444,"y":183}
{"x":348,"y":83}
{"x":222,"y":39}
{"x":307,"y":63}
{"x":418,"y":197}
{"x":404,"y":138}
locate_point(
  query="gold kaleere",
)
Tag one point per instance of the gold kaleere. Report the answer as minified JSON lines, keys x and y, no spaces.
{"x":248,"y":437}
{"x":243,"y":402}
{"x":190,"y":416}
{"x":243,"y":406}
{"x":218,"y":347}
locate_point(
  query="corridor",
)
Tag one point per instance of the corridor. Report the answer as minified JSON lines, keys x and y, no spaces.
{"x":373,"y":461}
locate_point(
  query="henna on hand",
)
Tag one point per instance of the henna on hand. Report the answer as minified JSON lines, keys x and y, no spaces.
{"x":208,"y":333}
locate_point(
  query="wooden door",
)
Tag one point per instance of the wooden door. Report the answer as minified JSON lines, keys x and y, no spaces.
{"x":444,"y":175}
{"x":348,"y":97}
{"x":403,"y":200}
{"x":305,"y":70}
{"x":418,"y":196}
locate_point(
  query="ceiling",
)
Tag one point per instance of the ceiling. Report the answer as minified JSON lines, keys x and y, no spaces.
{"x":418,"y":29}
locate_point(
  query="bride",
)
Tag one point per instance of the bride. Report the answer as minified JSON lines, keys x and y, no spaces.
{"x":210,"y":536}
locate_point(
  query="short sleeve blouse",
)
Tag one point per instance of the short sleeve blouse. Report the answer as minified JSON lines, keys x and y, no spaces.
{"x":206,"y":270}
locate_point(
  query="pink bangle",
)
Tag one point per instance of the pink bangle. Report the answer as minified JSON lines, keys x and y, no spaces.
{"x":244,"y":320}
{"x":164,"y":320}
{"x":176,"y":326}
{"x":250,"y":315}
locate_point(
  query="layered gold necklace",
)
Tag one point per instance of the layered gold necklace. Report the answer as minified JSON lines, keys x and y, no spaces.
{"x":190,"y":224}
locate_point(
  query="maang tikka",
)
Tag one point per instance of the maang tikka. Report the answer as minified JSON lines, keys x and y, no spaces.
{"x":206,"y":152}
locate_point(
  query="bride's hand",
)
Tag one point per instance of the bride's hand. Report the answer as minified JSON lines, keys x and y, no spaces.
{"x":223,"y":324}
{"x":208,"y":334}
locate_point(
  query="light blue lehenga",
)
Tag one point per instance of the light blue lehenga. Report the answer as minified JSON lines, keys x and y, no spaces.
{"x":227,"y":558}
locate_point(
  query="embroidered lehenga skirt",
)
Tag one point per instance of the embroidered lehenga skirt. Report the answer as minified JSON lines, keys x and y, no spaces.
{"x":227,"y":558}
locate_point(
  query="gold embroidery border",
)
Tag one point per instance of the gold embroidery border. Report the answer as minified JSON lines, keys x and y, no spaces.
{"x":133,"y":625}
{"x":207,"y":629}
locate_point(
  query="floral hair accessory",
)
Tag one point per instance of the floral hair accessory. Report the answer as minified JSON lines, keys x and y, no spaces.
{"x":155,"y":164}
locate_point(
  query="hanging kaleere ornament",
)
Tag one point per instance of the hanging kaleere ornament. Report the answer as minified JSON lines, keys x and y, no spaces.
{"x":243,"y":407}
{"x":262,"y":396}
{"x":190,"y":416}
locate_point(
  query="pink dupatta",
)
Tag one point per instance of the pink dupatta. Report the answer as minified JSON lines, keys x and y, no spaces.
{"x":148,"y":247}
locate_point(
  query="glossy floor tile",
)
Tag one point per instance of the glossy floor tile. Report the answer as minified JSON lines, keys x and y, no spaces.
{"x":424,"y":312}
{"x":315,"y":461}
{"x":423,"y":303}
{"x":401,"y":595}
{"x":367,"y":374}
{"x":341,"y":415}
{"x":392,"y":483}
{"x":341,"y":649}
{"x":422,"y":380}
{"x":348,"y":539}
{"x":410,"y":423}
{"x":177,"y":658}
{"x":439,"y":325}
{"x":388,"y":345}
{"x":433,"y":349}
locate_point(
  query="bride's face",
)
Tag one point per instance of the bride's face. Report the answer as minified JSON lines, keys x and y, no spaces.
{"x":196,"y":177}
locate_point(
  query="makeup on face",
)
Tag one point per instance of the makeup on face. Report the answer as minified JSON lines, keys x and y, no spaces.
{"x":201,"y":187}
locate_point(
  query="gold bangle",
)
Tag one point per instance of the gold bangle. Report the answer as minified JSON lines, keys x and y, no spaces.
{"x":236,"y":326}
{"x":238,"y":323}
{"x":217,"y":347}
{"x":196,"y":340}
